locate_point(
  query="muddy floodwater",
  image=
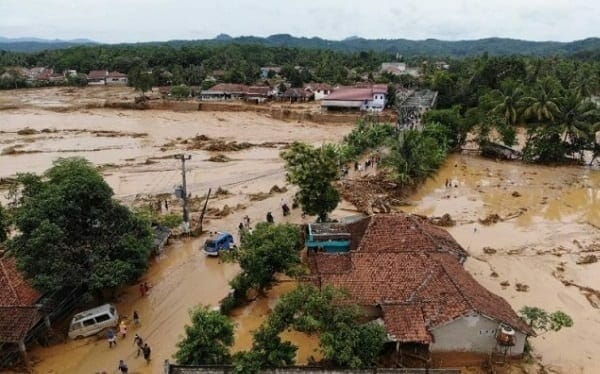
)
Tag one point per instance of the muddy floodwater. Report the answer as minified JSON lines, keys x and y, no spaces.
{"x":547,"y":223}
{"x":136,"y":151}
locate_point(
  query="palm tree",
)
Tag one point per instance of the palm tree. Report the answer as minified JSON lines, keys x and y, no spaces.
{"x":508,"y":101}
{"x":541,"y":105}
{"x":575,"y":119}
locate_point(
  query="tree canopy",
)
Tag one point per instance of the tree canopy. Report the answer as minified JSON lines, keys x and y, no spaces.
{"x":72,"y":233}
{"x":347,"y":340}
{"x":207,"y":340}
{"x":313,"y":170}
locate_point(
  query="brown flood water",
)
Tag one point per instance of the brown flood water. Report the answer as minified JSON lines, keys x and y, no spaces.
{"x":183,"y":277}
{"x":551,"y":222}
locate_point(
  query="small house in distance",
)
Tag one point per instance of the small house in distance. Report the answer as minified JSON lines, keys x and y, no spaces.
{"x":114,"y":78}
{"x":297,"y":94}
{"x":225,"y":91}
{"x":409,"y":274}
{"x":371,"y":98}
{"x":103,"y":77}
{"x":320,"y":90}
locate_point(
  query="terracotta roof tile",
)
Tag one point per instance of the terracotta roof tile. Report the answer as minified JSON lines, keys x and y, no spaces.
{"x":16,"y":321}
{"x":413,"y":271}
{"x":14,"y":288}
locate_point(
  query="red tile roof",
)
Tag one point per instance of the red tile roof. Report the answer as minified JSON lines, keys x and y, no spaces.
{"x":14,"y":289}
{"x":413,"y":271}
{"x":16,"y":321}
{"x":401,"y":233}
{"x":357,"y":93}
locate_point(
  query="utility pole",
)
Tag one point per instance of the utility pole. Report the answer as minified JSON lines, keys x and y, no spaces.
{"x":186,"y":213}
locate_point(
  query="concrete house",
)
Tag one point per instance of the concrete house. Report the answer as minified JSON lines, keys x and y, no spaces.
{"x":371,"y":98}
{"x":225,"y":91}
{"x":97,"y":77}
{"x":409,"y":274}
{"x":320,"y":90}
{"x":114,"y":78}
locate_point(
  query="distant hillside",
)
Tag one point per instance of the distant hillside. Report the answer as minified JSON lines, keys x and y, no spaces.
{"x":37,"y":44}
{"x":429,"y":47}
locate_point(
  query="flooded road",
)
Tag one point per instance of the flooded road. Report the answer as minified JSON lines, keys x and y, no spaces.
{"x":549,"y":221}
{"x":182,"y":277}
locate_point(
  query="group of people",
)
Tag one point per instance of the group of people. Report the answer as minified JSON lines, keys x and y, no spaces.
{"x":142,"y":347}
{"x":370,"y":162}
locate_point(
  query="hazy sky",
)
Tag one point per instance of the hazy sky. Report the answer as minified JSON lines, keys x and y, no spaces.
{"x":114,"y":21}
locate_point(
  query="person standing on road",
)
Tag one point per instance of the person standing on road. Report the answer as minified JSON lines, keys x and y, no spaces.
{"x":137,"y":340}
{"x":123,"y":367}
{"x":123,"y":329}
{"x":136,"y":318}
{"x":112,"y":338}
{"x":146,"y":350}
{"x":270,"y":217}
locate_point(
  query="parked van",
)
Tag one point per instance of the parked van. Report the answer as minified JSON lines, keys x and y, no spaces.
{"x":93,"y":321}
{"x":218,"y":242}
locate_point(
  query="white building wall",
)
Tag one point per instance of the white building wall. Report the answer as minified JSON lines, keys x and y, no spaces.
{"x":472,"y":333}
{"x":320,"y":94}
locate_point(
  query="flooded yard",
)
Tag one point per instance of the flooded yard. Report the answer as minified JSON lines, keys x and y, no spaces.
{"x":549,"y":221}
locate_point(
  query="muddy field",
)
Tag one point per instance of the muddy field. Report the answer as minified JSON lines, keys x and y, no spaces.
{"x":535,"y":248}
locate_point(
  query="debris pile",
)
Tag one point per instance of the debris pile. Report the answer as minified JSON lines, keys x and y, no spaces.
{"x":444,"y":221}
{"x":490,"y":219}
{"x":373,"y":194}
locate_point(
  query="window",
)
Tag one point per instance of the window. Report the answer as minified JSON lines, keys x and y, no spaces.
{"x":89,"y":322}
{"x":102,"y":318}
{"x":75,"y":326}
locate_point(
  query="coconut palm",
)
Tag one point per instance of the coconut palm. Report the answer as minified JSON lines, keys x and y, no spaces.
{"x":508,"y":101}
{"x":575,"y":116}
{"x":541,"y":105}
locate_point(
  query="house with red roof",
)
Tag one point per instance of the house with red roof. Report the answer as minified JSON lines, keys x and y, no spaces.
{"x":409,"y":274}
{"x":369,"y":98}
{"x":19,"y":313}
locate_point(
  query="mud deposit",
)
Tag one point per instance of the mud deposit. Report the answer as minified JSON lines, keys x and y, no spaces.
{"x":548,"y":222}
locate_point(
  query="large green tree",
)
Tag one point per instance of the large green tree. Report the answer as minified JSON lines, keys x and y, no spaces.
{"x":4,"y":224}
{"x":416,"y":156}
{"x":347,"y":340}
{"x":72,"y":233}
{"x":207,"y":340}
{"x":268,"y":250}
{"x":313,"y":170}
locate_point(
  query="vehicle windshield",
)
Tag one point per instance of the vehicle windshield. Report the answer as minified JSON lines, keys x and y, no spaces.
{"x":209,"y":243}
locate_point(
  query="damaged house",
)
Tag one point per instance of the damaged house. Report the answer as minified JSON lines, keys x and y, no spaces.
{"x":409,"y":274}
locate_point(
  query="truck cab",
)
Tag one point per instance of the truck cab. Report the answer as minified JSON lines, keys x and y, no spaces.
{"x":218,"y":242}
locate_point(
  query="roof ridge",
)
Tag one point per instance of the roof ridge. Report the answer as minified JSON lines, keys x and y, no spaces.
{"x":420,"y":287}
{"x":455,"y":283}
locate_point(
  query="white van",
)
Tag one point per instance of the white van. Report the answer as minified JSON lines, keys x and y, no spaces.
{"x":93,"y":321}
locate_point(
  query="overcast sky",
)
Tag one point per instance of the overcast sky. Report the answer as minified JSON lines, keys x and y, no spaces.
{"x":114,"y":21}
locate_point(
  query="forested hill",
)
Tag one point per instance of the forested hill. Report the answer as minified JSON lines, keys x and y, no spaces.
{"x":429,"y":47}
